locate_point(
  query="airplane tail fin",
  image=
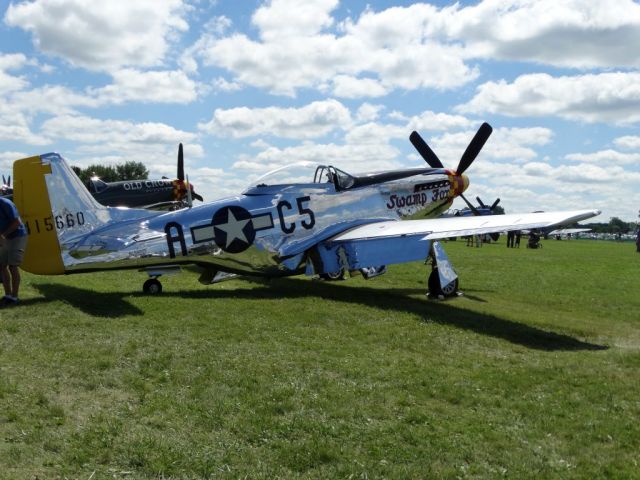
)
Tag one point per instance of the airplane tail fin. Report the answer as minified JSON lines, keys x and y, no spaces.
{"x":55,"y":206}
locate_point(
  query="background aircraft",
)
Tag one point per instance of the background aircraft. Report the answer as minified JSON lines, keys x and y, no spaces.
{"x":481,"y":209}
{"x":5,"y":189}
{"x":303,"y":218}
{"x":157,"y":194}
{"x":566,"y":232}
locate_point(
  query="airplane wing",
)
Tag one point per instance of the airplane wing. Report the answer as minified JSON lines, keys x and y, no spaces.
{"x":388,"y":242}
{"x":438,"y":228}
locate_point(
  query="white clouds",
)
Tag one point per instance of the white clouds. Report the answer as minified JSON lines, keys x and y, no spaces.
{"x":116,"y":141}
{"x":111,"y":133}
{"x":296,"y":51}
{"x":313,"y":120}
{"x":50,"y":99}
{"x":432,"y":121}
{"x":18,"y":131}
{"x":368,"y":112}
{"x":418,"y":46}
{"x":14,"y":126}
{"x":606,"y":97}
{"x":606,"y":158}
{"x":12,"y":61}
{"x":8,"y":82}
{"x":566,"y":33}
{"x":346,"y":86}
{"x":101,"y":35}
{"x":152,"y":87}
{"x":375,"y":133}
{"x":293,"y":19}
{"x":629,"y":142}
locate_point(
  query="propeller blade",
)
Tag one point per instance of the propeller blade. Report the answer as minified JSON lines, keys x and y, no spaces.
{"x":197,"y":196}
{"x":4,"y":180}
{"x":189,"y":189}
{"x":495,"y":204}
{"x":481,"y":203}
{"x":180,"y":163}
{"x":424,"y":150}
{"x":472,"y":151}
{"x":9,"y":181}
{"x":471,"y":207}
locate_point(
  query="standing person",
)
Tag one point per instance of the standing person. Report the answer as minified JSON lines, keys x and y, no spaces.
{"x":13,"y":240}
{"x":518,"y":235}
{"x":638,"y":241}
{"x":510,"y":238}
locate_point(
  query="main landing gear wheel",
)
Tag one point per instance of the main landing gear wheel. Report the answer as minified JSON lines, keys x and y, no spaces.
{"x":333,"y":276}
{"x":435,"y":289}
{"x":152,"y":287}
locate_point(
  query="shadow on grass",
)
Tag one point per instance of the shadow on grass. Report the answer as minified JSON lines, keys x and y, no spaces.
{"x":114,"y":304}
{"x":97,"y":304}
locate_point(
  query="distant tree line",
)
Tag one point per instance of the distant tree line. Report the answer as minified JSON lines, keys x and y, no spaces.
{"x":615,"y":225}
{"x":113,"y":173}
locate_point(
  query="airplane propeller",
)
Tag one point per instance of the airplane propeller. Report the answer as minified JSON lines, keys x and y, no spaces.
{"x":5,"y":188}
{"x":492,"y":207}
{"x":181,"y":185}
{"x":469,"y":155}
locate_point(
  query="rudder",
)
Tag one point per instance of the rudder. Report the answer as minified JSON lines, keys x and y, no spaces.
{"x":31,"y":197}
{"x":54,"y":206}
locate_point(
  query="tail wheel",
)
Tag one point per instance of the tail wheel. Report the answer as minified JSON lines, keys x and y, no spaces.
{"x":152,"y":287}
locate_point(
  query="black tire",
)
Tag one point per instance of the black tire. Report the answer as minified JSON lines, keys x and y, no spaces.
{"x":152,"y":287}
{"x":333,"y":276}
{"x":435,"y":289}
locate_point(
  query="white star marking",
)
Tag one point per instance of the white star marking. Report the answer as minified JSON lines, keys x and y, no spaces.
{"x":233,"y":229}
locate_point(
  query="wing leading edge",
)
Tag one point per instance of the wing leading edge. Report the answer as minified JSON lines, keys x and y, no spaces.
{"x":438,"y":228}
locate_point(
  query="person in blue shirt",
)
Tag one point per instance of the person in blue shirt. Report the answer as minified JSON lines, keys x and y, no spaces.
{"x":13,"y":241}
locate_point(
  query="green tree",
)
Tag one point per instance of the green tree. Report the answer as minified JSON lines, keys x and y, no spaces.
{"x":127,"y":171}
{"x":618,"y":226}
{"x":132,"y":171}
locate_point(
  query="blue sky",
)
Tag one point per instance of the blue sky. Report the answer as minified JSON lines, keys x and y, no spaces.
{"x":250,"y":86}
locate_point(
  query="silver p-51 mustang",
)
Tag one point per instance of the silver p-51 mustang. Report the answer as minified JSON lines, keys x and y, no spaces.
{"x":303,"y":218}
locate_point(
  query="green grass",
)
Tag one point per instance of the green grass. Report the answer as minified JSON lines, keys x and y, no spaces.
{"x":534,"y":373}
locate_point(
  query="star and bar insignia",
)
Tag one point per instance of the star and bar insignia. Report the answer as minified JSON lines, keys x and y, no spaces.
{"x":233,"y":228}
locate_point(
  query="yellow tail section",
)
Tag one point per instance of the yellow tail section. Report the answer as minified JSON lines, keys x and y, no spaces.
{"x":31,"y":197}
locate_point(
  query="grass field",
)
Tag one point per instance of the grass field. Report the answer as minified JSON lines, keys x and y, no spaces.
{"x":534,"y":373}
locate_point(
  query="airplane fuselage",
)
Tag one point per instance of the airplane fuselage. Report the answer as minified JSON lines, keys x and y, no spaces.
{"x":264,"y":231}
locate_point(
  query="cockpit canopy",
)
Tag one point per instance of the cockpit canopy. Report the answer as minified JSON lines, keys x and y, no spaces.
{"x":309,"y":173}
{"x":304,"y":173}
{"x":95,"y":185}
